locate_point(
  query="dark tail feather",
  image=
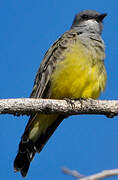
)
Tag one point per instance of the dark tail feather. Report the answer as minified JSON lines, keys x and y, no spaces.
{"x":27,"y":148}
{"x":25,"y":155}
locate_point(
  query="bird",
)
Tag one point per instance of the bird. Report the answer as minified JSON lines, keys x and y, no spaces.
{"x":73,"y":68}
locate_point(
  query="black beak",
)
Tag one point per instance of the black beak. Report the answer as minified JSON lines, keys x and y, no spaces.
{"x":101,"y":17}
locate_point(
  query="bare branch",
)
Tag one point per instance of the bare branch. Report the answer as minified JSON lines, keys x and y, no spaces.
{"x":100,"y":175}
{"x":27,"y":106}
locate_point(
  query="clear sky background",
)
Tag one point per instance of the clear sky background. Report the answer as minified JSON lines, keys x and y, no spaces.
{"x":88,"y":144}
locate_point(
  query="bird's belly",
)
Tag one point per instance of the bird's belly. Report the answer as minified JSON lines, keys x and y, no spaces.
{"x":76,"y":77}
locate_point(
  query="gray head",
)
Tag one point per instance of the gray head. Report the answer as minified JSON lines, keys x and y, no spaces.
{"x":89,"y":21}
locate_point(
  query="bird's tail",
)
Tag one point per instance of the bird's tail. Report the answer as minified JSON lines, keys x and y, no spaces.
{"x":25,"y":155}
{"x":28,"y":147}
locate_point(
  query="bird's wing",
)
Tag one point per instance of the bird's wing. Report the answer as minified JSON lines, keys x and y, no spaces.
{"x":42,"y":83}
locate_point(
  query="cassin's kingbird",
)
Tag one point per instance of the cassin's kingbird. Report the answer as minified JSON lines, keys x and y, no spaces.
{"x":73,"y":67}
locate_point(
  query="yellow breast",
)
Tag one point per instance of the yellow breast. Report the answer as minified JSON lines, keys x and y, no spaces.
{"x":80,"y":75}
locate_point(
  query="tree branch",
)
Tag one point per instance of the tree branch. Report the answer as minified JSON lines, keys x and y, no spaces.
{"x":27,"y":106}
{"x":97,"y":176}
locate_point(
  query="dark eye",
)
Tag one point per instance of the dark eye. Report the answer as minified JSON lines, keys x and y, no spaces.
{"x":84,"y":16}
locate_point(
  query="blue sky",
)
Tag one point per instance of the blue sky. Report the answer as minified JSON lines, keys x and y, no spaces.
{"x":88,"y":144}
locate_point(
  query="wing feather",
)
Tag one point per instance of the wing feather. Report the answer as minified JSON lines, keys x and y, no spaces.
{"x":42,"y":83}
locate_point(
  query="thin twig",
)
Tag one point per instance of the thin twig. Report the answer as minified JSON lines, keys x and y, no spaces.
{"x":97,"y":176}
